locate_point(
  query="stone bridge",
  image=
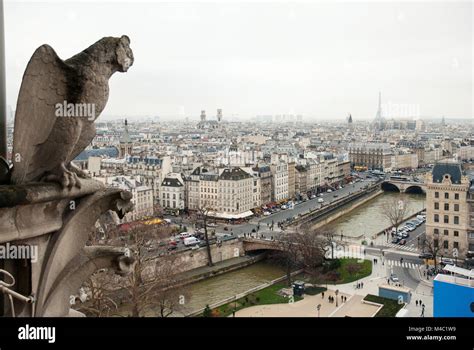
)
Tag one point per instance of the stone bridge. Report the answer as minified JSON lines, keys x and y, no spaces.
{"x":403,"y":186}
{"x":254,"y":244}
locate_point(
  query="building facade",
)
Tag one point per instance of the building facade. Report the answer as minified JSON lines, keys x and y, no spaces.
{"x":447,"y":210}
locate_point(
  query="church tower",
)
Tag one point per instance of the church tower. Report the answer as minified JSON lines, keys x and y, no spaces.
{"x":125,"y":143}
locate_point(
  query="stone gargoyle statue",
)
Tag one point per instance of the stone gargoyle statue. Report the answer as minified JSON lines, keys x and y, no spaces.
{"x":57,"y":106}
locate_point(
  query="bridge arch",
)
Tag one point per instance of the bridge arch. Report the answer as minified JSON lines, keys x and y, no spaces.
{"x":414,"y":189}
{"x":389,"y":187}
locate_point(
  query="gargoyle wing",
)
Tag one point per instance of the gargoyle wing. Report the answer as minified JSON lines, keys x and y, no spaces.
{"x":44,"y":85}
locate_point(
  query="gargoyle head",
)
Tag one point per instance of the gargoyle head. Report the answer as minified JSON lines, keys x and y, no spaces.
{"x":124,"y":53}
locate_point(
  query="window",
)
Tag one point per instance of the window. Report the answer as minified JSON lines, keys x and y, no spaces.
{"x":446,"y":232}
{"x":436,"y":231}
{"x":456,"y":245}
{"x":436,"y":205}
{"x":446,"y":219}
{"x":446,"y":195}
{"x":446,"y":245}
{"x":436,"y":218}
{"x":435,"y":243}
{"x":446,"y":206}
{"x":456,"y":220}
{"x":456,"y":207}
{"x":436,"y":194}
{"x":456,"y":233}
{"x":456,"y":196}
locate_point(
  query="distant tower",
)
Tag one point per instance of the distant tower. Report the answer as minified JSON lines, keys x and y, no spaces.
{"x":125,"y":142}
{"x":349,"y":121}
{"x":379,"y":119}
{"x":378,"y":116}
{"x":443,"y":121}
{"x":203,"y":116}
{"x":219,"y":115}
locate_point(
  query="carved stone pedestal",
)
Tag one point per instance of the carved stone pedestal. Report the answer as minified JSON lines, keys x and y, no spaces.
{"x":58,"y":222}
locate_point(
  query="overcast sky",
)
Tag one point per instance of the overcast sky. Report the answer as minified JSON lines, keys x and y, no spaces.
{"x":320,"y":59}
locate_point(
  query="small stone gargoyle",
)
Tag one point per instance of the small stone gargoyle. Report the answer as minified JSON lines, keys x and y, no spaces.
{"x":57,"y":106}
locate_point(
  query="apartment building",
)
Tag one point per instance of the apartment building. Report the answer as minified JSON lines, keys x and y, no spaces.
{"x":279,"y":181}
{"x":172,"y":190}
{"x":448,"y":215}
{"x":373,"y":155}
{"x":236,"y":192}
{"x":291,"y":179}
{"x":265,"y":175}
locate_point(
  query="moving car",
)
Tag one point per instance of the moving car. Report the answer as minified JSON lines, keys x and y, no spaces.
{"x":402,"y":242}
{"x":320,"y":200}
{"x":425,"y":256}
{"x":395,"y":240}
{"x":394,"y":278}
{"x":267,"y":213}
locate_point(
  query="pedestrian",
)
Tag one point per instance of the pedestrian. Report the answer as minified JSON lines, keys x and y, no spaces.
{"x":417,"y":303}
{"x":362,"y":284}
{"x":322,"y":294}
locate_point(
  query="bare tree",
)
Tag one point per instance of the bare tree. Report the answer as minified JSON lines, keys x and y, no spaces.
{"x":302,"y":250}
{"x":433,"y":247}
{"x":395,"y":210}
{"x":150,"y":284}
{"x":202,"y":217}
{"x":97,"y":292}
{"x":328,"y":237}
{"x":289,"y":254}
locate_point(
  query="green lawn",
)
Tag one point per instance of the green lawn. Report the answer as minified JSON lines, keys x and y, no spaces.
{"x":352,"y":270}
{"x":390,"y":307}
{"x":262,"y":297}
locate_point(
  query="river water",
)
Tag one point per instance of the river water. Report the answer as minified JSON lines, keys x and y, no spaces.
{"x":232,"y":283}
{"x":367,"y":219}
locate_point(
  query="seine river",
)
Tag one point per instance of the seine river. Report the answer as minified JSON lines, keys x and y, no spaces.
{"x":369,"y":219}
{"x":365,"y":220}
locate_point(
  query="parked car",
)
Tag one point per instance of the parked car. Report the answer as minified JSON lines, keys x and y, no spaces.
{"x":395,"y":240}
{"x":418,"y":221}
{"x":191,"y":241}
{"x":267,"y":213}
{"x":447,"y":261}
{"x":184,"y":235}
{"x":320,"y":200}
{"x":402,"y":242}
{"x":212,"y":224}
{"x":329,"y":190}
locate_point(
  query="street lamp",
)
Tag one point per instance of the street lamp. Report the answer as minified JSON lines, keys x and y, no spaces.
{"x":336,"y":292}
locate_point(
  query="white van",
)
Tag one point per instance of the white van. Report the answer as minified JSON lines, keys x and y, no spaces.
{"x":191,"y":241}
{"x":184,"y":235}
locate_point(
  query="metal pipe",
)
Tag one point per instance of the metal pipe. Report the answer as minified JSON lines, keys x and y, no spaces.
{"x":3,"y":99}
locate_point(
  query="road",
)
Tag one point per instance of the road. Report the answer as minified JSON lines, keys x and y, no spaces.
{"x":301,"y":208}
